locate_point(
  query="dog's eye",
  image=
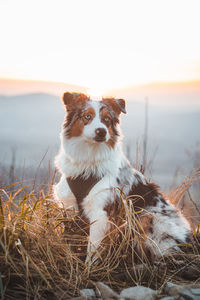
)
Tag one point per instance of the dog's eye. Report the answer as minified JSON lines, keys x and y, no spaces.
{"x":106,"y":119}
{"x":87,"y":117}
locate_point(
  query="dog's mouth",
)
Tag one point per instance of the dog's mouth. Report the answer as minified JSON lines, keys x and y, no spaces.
{"x":99,"y":139}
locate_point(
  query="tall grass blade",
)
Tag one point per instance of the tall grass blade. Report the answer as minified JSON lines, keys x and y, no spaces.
{"x":1,"y":287}
{"x":2,"y":222}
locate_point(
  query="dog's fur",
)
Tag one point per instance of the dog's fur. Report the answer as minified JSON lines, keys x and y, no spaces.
{"x":93,"y":165}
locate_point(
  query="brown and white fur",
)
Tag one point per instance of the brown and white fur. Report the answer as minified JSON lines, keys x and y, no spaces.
{"x":90,"y":148}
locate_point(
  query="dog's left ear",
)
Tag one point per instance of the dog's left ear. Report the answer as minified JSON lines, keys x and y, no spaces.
{"x":122,"y":105}
{"x":118,"y":105}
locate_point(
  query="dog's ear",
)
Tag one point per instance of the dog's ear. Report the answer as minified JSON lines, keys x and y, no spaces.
{"x":122,"y":105}
{"x":118,"y":105}
{"x":69,"y":99}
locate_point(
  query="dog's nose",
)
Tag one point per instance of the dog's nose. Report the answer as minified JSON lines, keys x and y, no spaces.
{"x":100,"y":133}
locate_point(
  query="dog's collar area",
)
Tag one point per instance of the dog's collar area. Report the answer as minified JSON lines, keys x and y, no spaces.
{"x":81,"y":187}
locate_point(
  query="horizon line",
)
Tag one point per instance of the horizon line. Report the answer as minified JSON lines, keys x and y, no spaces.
{"x":156,"y":82}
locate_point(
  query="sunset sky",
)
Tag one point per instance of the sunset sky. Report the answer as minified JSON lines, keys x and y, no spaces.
{"x":100,"y":44}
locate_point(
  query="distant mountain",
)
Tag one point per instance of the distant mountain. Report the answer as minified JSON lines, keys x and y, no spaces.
{"x":17,"y":87}
{"x":31,"y":116}
{"x":174,"y":94}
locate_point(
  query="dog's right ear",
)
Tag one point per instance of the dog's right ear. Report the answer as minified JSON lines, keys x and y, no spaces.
{"x":69,"y":99}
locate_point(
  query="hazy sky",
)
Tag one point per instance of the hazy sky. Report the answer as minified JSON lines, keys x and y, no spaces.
{"x":101,"y":44}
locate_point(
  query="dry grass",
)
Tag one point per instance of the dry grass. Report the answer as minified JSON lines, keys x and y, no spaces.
{"x":182,"y":199}
{"x":42,"y":251}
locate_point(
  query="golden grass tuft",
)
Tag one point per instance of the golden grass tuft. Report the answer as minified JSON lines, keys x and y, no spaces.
{"x":42,"y":251}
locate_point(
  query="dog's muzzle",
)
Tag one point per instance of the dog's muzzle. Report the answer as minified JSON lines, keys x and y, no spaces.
{"x":100,"y":134}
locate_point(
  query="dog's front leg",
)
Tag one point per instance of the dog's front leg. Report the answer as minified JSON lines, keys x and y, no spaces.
{"x":94,"y":209}
{"x":64,"y":196}
{"x":98,"y":229}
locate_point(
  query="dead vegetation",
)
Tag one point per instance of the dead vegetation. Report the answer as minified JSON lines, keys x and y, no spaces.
{"x":42,"y":251}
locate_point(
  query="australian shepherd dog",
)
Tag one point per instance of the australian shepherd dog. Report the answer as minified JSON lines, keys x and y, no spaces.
{"x":94,"y":170}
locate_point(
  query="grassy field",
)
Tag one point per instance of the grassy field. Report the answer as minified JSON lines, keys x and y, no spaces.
{"x":42,"y":251}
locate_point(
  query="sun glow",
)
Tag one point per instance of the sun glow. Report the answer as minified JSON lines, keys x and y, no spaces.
{"x":96,"y":93}
{"x":100,"y":44}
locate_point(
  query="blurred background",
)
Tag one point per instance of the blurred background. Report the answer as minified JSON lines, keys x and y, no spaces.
{"x":147,"y":52}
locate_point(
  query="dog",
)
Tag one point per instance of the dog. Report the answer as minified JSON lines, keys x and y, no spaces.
{"x":94,"y":170}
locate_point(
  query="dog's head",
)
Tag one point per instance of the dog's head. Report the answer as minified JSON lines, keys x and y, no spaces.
{"x":93,"y":121}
